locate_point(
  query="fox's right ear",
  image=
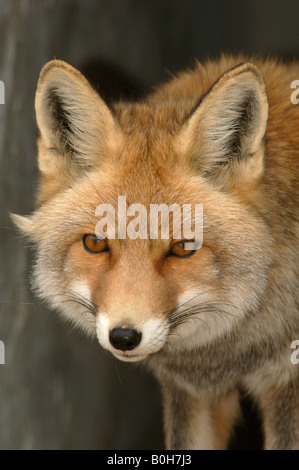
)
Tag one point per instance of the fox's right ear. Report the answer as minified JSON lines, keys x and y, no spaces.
{"x":76,"y":127}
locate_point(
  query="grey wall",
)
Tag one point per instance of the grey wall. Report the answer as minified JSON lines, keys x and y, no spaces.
{"x":57,"y":389}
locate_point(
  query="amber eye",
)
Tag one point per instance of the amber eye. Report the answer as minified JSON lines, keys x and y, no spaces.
{"x":181,"y":250}
{"x":93,"y":244}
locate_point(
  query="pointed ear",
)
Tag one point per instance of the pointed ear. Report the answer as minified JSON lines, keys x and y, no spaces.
{"x":74,"y":122}
{"x":223,"y":138}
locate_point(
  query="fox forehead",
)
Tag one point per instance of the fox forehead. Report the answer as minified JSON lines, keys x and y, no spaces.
{"x":76,"y":209}
{"x":153,"y":118}
{"x":145,"y":158}
{"x":139,"y":184}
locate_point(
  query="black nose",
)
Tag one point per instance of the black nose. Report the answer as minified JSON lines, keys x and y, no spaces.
{"x":125,"y":339}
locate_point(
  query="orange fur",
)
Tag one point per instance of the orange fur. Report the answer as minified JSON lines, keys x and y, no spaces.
{"x":224,"y":135}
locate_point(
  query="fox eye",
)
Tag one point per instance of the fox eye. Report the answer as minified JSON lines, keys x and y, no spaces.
{"x":181,"y":250}
{"x":93,"y":244}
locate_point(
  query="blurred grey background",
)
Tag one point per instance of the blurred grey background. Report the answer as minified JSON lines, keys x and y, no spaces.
{"x":59,"y":390}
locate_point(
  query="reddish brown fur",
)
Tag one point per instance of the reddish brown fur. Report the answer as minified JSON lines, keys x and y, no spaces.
{"x":152,"y":152}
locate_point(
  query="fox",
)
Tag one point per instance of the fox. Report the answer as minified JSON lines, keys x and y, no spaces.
{"x":208,"y":320}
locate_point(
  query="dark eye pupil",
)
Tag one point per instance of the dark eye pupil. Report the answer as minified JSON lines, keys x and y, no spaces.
{"x":96,"y":240}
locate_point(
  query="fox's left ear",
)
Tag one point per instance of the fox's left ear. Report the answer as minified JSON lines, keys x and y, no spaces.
{"x":224,"y":136}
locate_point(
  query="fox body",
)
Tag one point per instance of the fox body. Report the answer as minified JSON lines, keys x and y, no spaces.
{"x":209,"y":321}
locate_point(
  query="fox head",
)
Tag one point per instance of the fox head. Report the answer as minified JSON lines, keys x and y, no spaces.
{"x":140,"y":295}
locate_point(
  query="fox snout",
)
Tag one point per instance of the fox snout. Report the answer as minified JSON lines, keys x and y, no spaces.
{"x":131,"y":340}
{"x":124,"y":339}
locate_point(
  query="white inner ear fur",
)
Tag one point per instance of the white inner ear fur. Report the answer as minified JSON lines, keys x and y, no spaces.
{"x":208,"y":132}
{"x":92,"y":127}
